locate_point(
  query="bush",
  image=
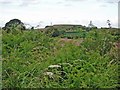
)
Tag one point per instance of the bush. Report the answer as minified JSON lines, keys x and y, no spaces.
{"x":28,"y":57}
{"x":14,"y":24}
{"x":55,"y":33}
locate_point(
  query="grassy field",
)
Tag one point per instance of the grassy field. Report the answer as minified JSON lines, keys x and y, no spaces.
{"x":34,"y":59}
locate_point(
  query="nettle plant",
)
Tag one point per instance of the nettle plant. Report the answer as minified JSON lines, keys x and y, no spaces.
{"x":33,"y":59}
{"x":98,"y":41}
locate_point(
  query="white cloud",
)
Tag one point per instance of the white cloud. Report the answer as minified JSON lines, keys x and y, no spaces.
{"x":109,"y":1}
{"x":75,"y":0}
{"x":19,"y":2}
{"x":58,"y":11}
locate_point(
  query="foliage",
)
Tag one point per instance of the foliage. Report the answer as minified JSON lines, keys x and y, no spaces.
{"x":76,"y":34}
{"x":14,"y":24}
{"x":57,"y":33}
{"x":28,"y":57}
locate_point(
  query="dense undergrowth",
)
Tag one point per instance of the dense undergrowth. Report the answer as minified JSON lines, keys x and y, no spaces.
{"x":32,"y":59}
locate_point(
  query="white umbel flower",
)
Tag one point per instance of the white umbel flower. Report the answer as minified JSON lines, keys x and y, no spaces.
{"x":54,"y":66}
{"x":50,"y":74}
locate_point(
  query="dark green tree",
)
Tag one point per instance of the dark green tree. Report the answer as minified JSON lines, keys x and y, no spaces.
{"x":14,"y":24}
{"x":109,"y":23}
{"x":32,"y":28}
{"x":56,"y":33}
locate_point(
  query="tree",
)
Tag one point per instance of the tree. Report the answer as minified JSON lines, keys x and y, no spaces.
{"x":109,"y":24}
{"x":56,"y":33}
{"x":14,"y":24}
{"x":32,"y":28}
{"x":91,"y":26}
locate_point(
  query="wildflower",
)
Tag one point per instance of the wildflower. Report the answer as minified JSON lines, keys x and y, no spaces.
{"x":54,"y":66}
{"x":50,"y":74}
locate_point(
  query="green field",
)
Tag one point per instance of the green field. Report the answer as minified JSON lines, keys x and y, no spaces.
{"x":81,"y":34}
{"x":34,"y":59}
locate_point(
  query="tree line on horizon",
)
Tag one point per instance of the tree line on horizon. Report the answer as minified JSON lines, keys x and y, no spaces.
{"x":16,"y":23}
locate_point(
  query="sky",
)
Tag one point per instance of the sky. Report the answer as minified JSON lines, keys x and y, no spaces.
{"x":47,"y":12}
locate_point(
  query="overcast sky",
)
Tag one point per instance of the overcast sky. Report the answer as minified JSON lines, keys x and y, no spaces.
{"x":60,"y":11}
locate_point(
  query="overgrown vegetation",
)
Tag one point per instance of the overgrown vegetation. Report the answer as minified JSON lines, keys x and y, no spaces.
{"x":34,"y":59}
{"x":13,"y":25}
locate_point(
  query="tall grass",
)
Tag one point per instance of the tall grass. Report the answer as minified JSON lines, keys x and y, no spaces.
{"x":28,"y":55}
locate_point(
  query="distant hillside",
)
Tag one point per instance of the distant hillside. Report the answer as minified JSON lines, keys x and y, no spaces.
{"x":66,"y":27}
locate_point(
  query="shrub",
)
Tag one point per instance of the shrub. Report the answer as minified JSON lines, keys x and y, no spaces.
{"x":14,"y":24}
